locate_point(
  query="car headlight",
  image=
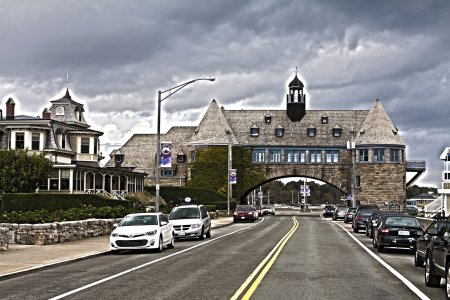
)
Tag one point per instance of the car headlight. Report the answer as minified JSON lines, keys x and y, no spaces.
{"x":153,"y":232}
{"x":198,"y":225}
{"x":114,"y":234}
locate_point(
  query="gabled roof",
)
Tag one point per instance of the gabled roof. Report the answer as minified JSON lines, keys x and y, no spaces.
{"x":213,"y":129}
{"x":378,"y":128}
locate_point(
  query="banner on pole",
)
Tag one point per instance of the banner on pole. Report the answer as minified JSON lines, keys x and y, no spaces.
{"x":233,"y":177}
{"x":305,"y":191}
{"x":166,"y":155}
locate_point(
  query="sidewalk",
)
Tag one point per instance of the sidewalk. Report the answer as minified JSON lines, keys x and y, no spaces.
{"x":20,"y":258}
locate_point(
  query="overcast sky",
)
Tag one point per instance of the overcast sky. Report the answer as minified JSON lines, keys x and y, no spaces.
{"x":120,"y":53}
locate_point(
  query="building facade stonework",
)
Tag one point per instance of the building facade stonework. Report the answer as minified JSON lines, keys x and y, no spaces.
{"x":358,"y":151}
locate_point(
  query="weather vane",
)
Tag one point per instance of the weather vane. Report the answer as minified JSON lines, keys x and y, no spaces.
{"x":295,"y":71}
{"x":67,"y":80}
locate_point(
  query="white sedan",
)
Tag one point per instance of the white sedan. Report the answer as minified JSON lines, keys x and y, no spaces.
{"x":142,"y":231}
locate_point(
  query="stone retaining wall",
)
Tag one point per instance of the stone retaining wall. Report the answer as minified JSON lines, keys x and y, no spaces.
{"x":53,"y":233}
{"x":3,"y":239}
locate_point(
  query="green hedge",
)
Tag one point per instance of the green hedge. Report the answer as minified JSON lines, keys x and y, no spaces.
{"x":54,"y":202}
{"x":175,"y":195}
{"x":71,"y":214}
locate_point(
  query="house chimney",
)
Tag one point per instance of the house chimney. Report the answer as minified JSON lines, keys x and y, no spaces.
{"x":46,"y":114}
{"x":10,"y":109}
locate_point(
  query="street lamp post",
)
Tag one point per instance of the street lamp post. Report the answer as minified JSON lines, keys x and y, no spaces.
{"x":161,"y":98}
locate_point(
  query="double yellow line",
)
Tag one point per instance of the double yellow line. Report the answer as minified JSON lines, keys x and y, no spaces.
{"x":264,"y":266}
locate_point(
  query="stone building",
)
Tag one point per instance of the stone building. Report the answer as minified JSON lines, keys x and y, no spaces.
{"x":292,"y":142}
{"x":64,"y":136}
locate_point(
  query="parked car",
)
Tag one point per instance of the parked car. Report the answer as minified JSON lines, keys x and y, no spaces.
{"x":259,"y":209}
{"x":328,"y":210}
{"x":349,"y":214}
{"x":142,"y":231}
{"x":397,"y":231}
{"x":374,"y":219}
{"x":339,"y":212}
{"x":244,"y":213}
{"x":437,"y":264}
{"x":190,"y":221}
{"x":423,"y":241}
{"x":362,"y":213}
{"x":268,"y":210}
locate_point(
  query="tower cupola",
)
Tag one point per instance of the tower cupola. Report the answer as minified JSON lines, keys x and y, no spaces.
{"x":296,"y":100}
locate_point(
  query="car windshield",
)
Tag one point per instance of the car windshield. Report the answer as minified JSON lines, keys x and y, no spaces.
{"x":243,"y":208}
{"x":402,"y":222}
{"x":342,"y":208}
{"x":184,"y":213}
{"x":139,"y":221}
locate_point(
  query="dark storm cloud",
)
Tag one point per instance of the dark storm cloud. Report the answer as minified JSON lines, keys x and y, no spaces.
{"x":120,"y":53}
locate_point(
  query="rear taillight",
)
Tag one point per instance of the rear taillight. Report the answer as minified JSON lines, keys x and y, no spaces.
{"x":384,"y":231}
{"x":359,"y":219}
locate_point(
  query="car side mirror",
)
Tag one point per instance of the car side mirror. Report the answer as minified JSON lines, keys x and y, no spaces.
{"x":114,"y":226}
{"x":432,"y":231}
{"x":164,"y":223}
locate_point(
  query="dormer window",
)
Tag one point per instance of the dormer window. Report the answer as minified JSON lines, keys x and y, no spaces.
{"x":267,"y":119}
{"x":254,"y":130}
{"x":337,"y":131}
{"x":181,"y":157}
{"x":119,"y":158}
{"x":311,"y":132}
{"x":324,"y":119}
{"x":279,"y":131}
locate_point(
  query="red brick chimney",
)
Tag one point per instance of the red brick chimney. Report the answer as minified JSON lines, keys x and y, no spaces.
{"x":46,"y":114}
{"x":10,"y":109}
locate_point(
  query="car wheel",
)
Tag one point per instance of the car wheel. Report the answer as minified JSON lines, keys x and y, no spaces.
{"x":114,"y":252}
{"x":202,"y":235}
{"x":208,"y":234}
{"x":172,"y":243}
{"x":418,"y":261}
{"x":160,"y":244}
{"x":431,"y":279}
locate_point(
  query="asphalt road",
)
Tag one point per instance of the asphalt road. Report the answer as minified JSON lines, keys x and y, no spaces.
{"x":314,"y":259}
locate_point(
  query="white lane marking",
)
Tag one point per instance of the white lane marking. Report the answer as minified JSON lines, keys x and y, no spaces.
{"x":408,"y":283}
{"x":148,"y":263}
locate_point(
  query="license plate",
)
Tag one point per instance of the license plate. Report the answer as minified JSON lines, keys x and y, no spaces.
{"x":242,"y":217}
{"x":403,"y":232}
{"x":181,"y":233}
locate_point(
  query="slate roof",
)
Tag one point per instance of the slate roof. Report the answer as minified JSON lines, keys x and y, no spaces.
{"x":213,"y":128}
{"x":378,"y":128}
{"x":295,"y":133}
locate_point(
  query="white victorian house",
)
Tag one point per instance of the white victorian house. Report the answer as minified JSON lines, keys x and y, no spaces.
{"x":64,"y":136}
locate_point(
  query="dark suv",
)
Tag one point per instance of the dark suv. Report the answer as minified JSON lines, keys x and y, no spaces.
{"x":437,"y":259}
{"x":362,"y":213}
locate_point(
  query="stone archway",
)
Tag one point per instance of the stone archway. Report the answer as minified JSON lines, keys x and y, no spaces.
{"x":337,"y":175}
